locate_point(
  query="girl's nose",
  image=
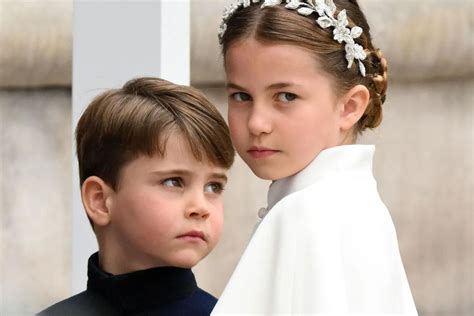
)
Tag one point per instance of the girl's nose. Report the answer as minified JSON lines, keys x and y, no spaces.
{"x":259,"y":121}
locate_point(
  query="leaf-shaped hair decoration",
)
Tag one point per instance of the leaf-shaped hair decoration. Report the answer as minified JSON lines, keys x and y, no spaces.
{"x":356,"y":32}
{"x":325,"y":22}
{"x":293,"y":4}
{"x":362,"y":68}
{"x":342,"y":19}
{"x":305,"y":11}
{"x":326,"y":10}
{"x":331,"y":7}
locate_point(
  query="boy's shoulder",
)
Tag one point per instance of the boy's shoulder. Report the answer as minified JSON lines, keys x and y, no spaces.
{"x":84,"y":303}
{"x":166,"y":291}
{"x":200,"y":303}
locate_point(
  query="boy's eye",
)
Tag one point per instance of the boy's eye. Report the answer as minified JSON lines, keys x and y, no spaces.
{"x":214,"y":187}
{"x":240,"y":96}
{"x":286,"y":96}
{"x":172,"y":182}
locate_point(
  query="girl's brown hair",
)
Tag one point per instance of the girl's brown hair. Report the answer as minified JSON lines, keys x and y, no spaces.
{"x":120,"y":124}
{"x":276,"y":24}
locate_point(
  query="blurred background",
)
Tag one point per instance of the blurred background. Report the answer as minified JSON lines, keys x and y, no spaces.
{"x":423,"y":161}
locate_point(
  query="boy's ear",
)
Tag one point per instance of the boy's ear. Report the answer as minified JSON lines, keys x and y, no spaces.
{"x":95,"y":194}
{"x":353,"y":106}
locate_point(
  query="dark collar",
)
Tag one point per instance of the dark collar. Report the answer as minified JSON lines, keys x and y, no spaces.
{"x":140,"y":290}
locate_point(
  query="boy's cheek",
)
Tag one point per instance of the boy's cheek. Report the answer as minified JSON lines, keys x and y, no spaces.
{"x":218,"y":225}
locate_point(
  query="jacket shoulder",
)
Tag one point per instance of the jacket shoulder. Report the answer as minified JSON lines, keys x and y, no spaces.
{"x":200,"y":303}
{"x":84,"y":303}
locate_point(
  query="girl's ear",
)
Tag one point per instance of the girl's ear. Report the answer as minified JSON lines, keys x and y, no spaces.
{"x":353,"y":106}
{"x":95,"y":195}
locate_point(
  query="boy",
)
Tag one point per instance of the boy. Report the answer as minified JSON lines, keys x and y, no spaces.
{"x":153,"y":158}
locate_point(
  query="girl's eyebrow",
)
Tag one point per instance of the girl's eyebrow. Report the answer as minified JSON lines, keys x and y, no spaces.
{"x":278,"y":85}
{"x":281,"y":85}
{"x":234,"y":86}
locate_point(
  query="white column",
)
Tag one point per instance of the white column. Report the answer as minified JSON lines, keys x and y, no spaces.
{"x":113,"y":42}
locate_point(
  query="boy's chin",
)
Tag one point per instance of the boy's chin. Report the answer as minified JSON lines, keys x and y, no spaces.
{"x":186,"y":266}
{"x":186,"y":262}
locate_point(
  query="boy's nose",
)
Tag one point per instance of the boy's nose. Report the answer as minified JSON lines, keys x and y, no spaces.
{"x":259,"y":121}
{"x":197,"y":206}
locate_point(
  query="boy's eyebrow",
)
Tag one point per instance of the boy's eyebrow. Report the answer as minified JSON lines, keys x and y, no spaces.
{"x":172,"y":171}
{"x":184,"y":172}
{"x":219,"y":175}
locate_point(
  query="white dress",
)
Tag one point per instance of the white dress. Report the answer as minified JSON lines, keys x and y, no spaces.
{"x":326,"y":246}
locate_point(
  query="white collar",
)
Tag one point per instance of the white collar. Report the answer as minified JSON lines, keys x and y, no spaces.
{"x":329,"y":161}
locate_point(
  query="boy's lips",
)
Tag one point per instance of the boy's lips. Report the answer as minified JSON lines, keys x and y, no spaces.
{"x":193,"y":235}
{"x":261,"y":152}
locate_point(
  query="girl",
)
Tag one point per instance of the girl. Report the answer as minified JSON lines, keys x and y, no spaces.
{"x":303,"y":80}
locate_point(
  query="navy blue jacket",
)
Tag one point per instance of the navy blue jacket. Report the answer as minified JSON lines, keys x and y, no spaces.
{"x":158,"y":291}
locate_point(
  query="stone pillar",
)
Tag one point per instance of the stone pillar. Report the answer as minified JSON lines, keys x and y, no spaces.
{"x":114,"y":42}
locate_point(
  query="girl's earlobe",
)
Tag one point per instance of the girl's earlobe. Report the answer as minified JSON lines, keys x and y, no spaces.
{"x":95,"y":194}
{"x":354,"y":104}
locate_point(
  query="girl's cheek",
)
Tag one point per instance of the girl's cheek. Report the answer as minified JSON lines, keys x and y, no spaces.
{"x":235,"y":120}
{"x":234,"y":134}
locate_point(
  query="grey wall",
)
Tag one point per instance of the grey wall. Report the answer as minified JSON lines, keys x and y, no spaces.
{"x":35,"y":198}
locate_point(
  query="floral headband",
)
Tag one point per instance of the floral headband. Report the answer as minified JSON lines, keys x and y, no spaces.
{"x":326,"y":10}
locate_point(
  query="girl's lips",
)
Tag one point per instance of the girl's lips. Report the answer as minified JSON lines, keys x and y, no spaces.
{"x":256,"y":152}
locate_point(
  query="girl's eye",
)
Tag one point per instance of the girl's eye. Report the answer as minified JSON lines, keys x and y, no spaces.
{"x":240,"y":96}
{"x":172,"y":182}
{"x":214,"y":187}
{"x":286,"y":96}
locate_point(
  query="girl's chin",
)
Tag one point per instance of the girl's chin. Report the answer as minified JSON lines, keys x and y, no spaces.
{"x":266,"y":174}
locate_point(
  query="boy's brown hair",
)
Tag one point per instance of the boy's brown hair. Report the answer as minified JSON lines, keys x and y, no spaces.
{"x":120,"y":124}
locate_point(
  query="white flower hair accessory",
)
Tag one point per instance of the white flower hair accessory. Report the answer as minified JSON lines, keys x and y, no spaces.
{"x":326,"y":10}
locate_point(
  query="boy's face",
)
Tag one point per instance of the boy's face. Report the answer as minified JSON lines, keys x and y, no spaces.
{"x":166,"y":211}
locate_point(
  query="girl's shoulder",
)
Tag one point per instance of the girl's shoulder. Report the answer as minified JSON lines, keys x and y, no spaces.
{"x":339,"y":192}
{"x":342,"y":205}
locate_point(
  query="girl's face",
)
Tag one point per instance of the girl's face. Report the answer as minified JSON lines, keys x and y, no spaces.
{"x":282,"y":108}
